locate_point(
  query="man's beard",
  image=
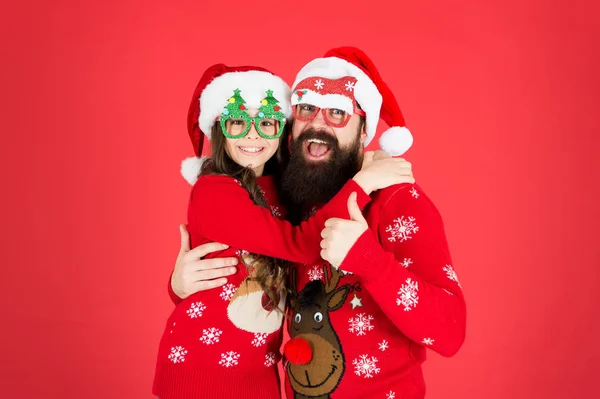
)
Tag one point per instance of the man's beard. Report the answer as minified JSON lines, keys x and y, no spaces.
{"x":307,"y":183}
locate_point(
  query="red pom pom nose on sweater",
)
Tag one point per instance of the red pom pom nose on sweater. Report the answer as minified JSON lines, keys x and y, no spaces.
{"x":297,"y":351}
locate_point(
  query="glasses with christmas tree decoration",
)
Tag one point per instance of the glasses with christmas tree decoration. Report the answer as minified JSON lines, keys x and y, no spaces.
{"x":235,"y":120}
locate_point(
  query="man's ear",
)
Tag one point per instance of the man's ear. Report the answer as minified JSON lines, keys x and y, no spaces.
{"x":363,"y":133}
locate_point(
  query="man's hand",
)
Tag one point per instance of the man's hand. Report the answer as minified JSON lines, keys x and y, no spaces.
{"x":339,"y":235}
{"x":193,"y":274}
{"x":379,"y":170}
{"x":380,"y":154}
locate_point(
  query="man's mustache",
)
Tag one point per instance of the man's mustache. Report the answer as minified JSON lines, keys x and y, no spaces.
{"x":319,"y":135}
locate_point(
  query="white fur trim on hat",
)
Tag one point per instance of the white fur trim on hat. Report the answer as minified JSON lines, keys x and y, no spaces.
{"x":253,"y":86}
{"x":396,"y":140}
{"x":190,"y":168}
{"x":365,"y":91}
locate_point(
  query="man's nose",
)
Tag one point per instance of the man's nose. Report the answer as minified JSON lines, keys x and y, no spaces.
{"x":318,"y":121}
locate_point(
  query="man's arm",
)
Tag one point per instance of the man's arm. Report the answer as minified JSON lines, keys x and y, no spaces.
{"x":409,"y":272}
{"x":221,"y":210}
{"x":193,"y":274}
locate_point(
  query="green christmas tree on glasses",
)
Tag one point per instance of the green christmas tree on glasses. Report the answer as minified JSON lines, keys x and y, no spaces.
{"x":269,"y":109}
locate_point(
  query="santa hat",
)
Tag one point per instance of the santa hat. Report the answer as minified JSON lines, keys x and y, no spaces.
{"x":320,"y":83}
{"x":215,"y":88}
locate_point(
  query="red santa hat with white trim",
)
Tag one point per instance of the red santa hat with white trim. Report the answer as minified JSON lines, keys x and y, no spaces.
{"x":364,"y":85}
{"x":211,"y":96}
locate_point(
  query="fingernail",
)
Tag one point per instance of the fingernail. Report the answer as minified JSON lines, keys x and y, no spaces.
{"x":232,"y":270}
{"x":234,"y":262}
{"x":224,"y":246}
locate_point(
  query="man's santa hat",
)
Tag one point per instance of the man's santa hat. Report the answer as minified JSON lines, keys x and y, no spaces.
{"x":318,"y":83}
{"x":211,"y":97}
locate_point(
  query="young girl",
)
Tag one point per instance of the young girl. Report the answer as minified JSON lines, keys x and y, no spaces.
{"x":225,"y":343}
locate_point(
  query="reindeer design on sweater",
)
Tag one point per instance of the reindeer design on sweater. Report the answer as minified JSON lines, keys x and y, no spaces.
{"x":316,"y":362}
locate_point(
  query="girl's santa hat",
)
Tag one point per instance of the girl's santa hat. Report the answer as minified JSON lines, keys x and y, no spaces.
{"x":211,"y":96}
{"x":364,"y":84}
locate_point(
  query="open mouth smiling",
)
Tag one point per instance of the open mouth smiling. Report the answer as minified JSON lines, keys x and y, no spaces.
{"x":251,"y":151}
{"x":317,"y":149}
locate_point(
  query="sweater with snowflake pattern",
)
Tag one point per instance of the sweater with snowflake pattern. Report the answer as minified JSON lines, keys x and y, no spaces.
{"x":369,"y":322}
{"x":224,"y":343}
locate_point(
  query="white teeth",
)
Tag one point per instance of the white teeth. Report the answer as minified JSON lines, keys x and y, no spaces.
{"x":251,"y":149}
{"x":317,"y":141}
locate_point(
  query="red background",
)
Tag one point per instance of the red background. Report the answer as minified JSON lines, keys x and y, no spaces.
{"x":502,"y":98}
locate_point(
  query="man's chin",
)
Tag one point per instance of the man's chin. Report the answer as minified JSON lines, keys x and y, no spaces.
{"x":317,"y":160}
{"x":310,"y":180}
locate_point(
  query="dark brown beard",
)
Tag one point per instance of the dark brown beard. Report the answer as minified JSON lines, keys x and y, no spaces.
{"x":305,"y":184}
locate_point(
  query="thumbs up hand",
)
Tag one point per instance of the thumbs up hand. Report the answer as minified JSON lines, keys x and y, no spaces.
{"x":339,"y":235}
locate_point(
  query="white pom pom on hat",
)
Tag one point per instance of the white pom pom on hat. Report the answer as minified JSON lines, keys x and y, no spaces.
{"x":190,"y":168}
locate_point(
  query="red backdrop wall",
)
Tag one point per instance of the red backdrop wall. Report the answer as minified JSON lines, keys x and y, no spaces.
{"x":502,"y":97}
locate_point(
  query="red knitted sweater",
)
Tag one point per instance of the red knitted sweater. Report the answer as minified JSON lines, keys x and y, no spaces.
{"x":366,"y":326}
{"x":224,"y":343}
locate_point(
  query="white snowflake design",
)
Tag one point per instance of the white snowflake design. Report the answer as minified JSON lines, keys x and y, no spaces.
{"x":270,"y":359}
{"x":210,"y":336}
{"x":409,"y":297}
{"x":391,"y":395}
{"x":228,"y":292}
{"x":451,"y":274}
{"x":383,"y":345}
{"x":259,"y":339}
{"x":229,"y":359}
{"x":350,"y":86}
{"x":275,"y":211}
{"x":196,"y":310}
{"x":366,"y":366}
{"x":402,"y":229}
{"x":360,"y":324}
{"x":407,"y":262}
{"x":178,"y":354}
{"x":428,"y":341}
{"x":315,"y":273}
{"x":414,"y":193}
{"x":319,"y":84}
